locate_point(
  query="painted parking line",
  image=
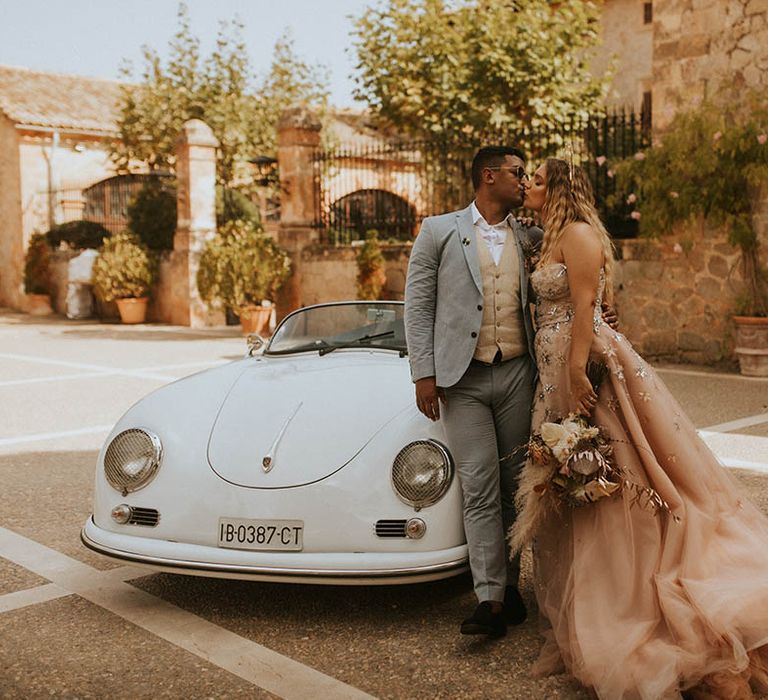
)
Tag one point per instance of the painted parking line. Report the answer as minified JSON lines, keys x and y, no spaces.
{"x":31,"y":596}
{"x":248,"y":660}
{"x":712,"y":375}
{"x":58,"y":378}
{"x":740,"y":424}
{"x":101,"y":371}
{"x":43,"y":437}
{"x":50,"y":361}
{"x":738,"y":451}
{"x":50,"y":591}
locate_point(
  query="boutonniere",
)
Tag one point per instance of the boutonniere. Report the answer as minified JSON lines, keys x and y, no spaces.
{"x":465,"y":241}
{"x":531,"y":254}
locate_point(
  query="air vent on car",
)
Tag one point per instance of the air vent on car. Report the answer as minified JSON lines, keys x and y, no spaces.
{"x":390,"y":528}
{"x":144,"y":516}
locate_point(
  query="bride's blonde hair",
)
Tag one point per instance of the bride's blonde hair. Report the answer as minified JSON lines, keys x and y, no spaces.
{"x":569,"y":199}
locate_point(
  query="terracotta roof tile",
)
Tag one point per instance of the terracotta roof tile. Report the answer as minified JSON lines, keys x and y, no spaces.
{"x":59,"y":100}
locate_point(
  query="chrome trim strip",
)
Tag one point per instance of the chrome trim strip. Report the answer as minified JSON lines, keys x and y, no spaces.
{"x":268,"y":461}
{"x":457,"y":565}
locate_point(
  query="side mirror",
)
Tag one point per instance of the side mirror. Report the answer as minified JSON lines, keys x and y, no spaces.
{"x":255,"y":342}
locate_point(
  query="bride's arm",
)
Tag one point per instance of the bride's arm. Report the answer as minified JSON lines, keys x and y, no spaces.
{"x":583,"y":256}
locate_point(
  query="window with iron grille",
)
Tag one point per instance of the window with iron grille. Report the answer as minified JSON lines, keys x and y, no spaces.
{"x":647,"y":13}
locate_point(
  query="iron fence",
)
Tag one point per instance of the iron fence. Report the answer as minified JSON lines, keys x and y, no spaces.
{"x":392,"y":186}
{"x":106,"y":202}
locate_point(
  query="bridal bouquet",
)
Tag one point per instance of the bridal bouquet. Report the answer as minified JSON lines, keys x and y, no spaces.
{"x":571,"y":463}
{"x":578,"y":462}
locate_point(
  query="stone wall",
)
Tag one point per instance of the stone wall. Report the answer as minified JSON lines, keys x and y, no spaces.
{"x":675,"y":295}
{"x":330,"y":274}
{"x":701,"y":46}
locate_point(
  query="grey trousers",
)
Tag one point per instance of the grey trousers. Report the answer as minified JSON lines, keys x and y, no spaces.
{"x":487,"y":415}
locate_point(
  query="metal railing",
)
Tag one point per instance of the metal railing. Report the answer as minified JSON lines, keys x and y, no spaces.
{"x":391,"y":186}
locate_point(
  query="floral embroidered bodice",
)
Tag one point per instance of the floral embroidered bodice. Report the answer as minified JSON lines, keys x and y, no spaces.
{"x":553,"y":295}
{"x":554,"y":317}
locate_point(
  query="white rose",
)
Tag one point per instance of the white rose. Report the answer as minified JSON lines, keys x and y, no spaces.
{"x":552,"y":433}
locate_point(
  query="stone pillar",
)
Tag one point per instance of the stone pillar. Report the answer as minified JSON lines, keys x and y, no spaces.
{"x":298,"y":135}
{"x":196,"y":223}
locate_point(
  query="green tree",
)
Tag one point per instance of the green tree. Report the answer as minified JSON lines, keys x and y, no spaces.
{"x":241,"y":108}
{"x":456,"y":69}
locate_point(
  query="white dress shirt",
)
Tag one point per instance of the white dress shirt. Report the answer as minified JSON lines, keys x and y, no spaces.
{"x":494,"y":235}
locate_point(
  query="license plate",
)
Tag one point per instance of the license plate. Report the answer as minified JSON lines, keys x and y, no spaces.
{"x":245,"y":533}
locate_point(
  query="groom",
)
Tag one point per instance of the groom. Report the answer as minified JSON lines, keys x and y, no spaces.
{"x":470,"y":345}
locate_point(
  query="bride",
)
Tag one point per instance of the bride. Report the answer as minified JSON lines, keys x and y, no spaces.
{"x":639,"y":604}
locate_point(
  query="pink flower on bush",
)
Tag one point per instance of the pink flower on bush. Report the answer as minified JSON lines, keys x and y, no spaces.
{"x":674,"y":194}
{"x":678,"y":248}
{"x":610,"y":173}
{"x":600,"y":160}
{"x":639,"y":155}
{"x":635,"y":215}
{"x":762,"y":138}
{"x":631,"y":199}
{"x":717,"y":135}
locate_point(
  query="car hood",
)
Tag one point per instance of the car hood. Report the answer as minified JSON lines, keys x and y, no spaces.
{"x":291,"y":422}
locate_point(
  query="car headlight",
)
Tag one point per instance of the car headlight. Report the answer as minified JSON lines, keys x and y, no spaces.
{"x":422,"y":473}
{"x":132,"y":459}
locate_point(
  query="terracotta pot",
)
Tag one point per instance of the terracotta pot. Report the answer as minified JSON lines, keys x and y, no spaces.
{"x":752,"y":345}
{"x":255,"y":319}
{"x":39,"y":304}
{"x":132,"y":310}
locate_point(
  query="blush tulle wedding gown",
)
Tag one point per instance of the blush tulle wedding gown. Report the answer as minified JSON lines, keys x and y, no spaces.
{"x":643,"y":604}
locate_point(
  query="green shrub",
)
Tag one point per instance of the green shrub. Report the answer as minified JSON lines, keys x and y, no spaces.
{"x":241,"y":266}
{"x":711,"y":163}
{"x":125,"y":268}
{"x":152,"y":214}
{"x":370,"y":268}
{"x":78,"y":234}
{"x":234,"y":205}
{"x":37,"y":275}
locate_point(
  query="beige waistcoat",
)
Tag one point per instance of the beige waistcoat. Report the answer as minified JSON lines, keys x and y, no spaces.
{"x":502,"y":327}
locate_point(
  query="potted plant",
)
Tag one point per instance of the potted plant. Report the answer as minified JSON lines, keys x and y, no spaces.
{"x":371,"y":277}
{"x":124,"y":272}
{"x":37,"y":276}
{"x":242,"y":268}
{"x":712,"y":164}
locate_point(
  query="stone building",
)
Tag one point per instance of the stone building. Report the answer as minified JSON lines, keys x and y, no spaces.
{"x":53,"y":133}
{"x":626,"y":33}
{"x":674,"y":53}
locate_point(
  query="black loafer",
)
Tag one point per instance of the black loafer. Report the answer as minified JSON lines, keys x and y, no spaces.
{"x":514,"y":607}
{"x":485,"y":621}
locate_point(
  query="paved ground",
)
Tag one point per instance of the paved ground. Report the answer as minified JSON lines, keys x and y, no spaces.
{"x":75,"y":625}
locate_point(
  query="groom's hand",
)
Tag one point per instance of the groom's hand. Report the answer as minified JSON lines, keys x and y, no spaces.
{"x":609,"y":316}
{"x":428,"y":397}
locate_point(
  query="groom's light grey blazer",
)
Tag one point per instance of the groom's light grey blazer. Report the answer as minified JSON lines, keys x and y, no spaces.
{"x":444,"y":295}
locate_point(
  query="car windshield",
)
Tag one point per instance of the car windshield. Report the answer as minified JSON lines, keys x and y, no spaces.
{"x":328,"y":327}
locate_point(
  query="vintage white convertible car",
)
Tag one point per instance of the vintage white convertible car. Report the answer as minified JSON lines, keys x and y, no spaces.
{"x":305,"y":461}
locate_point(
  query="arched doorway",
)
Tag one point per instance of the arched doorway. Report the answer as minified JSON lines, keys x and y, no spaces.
{"x":360,"y":211}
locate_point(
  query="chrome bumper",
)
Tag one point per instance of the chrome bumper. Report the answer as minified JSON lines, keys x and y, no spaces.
{"x":333,"y":576}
